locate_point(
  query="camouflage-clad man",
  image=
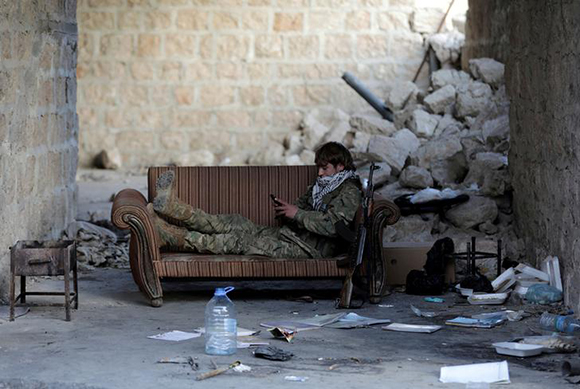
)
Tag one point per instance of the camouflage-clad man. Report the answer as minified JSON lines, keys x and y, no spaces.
{"x":309,"y":224}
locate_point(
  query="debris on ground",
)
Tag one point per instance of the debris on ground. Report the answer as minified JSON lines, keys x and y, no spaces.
{"x":492,"y":373}
{"x":272,"y":353}
{"x":175,"y":336}
{"x":515,"y":349}
{"x":181,"y":361}
{"x":295,"y":378}
{"x":421,"y":313}
{"x":241,"y":368}
{"x":419,"y":328}
{"x":217,"y":371}
{"x":474,"y":323}
{"x":282,"y":333}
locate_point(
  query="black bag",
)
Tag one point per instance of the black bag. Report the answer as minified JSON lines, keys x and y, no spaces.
{"x":431,"y":281}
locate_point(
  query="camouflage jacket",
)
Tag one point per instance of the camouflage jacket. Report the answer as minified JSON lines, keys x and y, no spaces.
{"x":314,"y":230}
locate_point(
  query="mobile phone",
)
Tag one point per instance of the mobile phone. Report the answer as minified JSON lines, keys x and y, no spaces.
{"x":274,"y":199}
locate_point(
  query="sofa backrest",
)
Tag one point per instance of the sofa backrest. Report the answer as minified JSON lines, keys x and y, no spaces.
{"x":237,"y":189}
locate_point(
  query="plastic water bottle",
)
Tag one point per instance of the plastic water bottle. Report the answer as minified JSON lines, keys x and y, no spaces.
{"x":560,"y":323}
{"x":220,"y":324}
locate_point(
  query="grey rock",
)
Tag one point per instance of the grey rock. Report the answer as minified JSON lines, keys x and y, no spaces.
{"x":416,"y":177}
{"x":394,"y":150}
{"x":293,"y":160}
{"x":453,"y":77}
{"x":380,"y":176}
{"x":307,"y":157}
{"x":472,"y":213}
{"x":488,"y":228}
{"x":473,"y":98}
{"x":109,"y":159}
{"x":448,"y":126}
{"x":272,"y":154}
{"x":423,"y":124}
{"x":410,"y":228}
{"x":438,"y":101}
{"x":361,"y":140}
{"x":496,"y":133}
{"x":318,"y":123}
{"x":293,"y":143}
{"x":393,"y":190}
{"x":444,"y":158}
{"x":372,"y":125}
{"x":488,"y":70}
{"x":401,"y":93}
{"x":447,"y":46}
{"x":489,"y":172}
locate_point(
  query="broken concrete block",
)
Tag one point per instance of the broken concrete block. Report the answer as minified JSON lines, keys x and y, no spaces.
{"x":489,"y":172}
{"x":392,"y":191}
{"x":401,"y":93}
{"x":438,"y":101}
{"x":307,"y":157}
{"x":488,"y":228}
{"x":496,"y":133}
{"x":447,"y":46}
{"x":472,"y":98}
{"x":109,"y":159}
{"x":488,"y":70}
{"x":423,"y":123}
{"x":380,"y":176}
{"x":443,"y":77}
{"x":201,"y":158}
{"x":394,"y":150}
{"x":361,"y":141}
{"x":271,"y":154}
{"x":293,"y":143}
{"x":337,"y":133}
{"x":293,"y":160}
{"x":448,"y":126}
{"x":444,"y":158}
{"x":313,"y":130}
{"x":372,"y":125}
{"x":472,"y":213}
{"x":416,"y":177}
{"x":410,"y":228}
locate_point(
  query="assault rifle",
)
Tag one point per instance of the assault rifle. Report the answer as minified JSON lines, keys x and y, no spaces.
{"x":367,"y":203}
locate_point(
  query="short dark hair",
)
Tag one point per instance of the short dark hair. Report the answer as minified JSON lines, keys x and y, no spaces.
{"x":334,"y":153}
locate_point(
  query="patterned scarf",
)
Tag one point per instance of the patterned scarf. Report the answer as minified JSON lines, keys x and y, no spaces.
{"x":325,"y":185}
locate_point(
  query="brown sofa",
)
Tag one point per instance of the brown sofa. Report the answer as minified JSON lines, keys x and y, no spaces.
{"x":244,"y":190}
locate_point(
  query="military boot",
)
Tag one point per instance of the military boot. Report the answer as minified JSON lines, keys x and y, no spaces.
{"x":166,"y":201}
{"x":168,"y":234}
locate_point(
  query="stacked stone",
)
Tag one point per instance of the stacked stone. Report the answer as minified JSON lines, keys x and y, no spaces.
{"x":454,"y":136}
{"x":197,"y":82}
{"x":38,"y":123}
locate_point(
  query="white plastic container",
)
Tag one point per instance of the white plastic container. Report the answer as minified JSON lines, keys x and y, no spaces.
{"x":518,"y":349}
{"x":220,"y":324}
{"x":487,"y":298}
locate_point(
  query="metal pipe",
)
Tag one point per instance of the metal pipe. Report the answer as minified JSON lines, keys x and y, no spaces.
{"x":366,"y":94}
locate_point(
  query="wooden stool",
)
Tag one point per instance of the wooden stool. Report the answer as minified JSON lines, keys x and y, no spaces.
{"x":49,"y":258}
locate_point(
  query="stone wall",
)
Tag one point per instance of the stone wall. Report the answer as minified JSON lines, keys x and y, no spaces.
{"x":38,"y":122}
{"x":486,"y":31}
{"x":190,"y":81}
{"x":543,"y":83}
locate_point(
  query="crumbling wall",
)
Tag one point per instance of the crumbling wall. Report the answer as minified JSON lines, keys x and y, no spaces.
{"x":211,"y":81}
{"x":38,"y":122}
{"x":486,"y":31}
{"x":543,"y":83}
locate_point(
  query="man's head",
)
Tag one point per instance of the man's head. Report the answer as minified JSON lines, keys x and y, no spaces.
{"x":331,"y":158}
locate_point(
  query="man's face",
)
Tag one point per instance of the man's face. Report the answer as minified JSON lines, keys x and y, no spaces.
{"x":329,"y":169}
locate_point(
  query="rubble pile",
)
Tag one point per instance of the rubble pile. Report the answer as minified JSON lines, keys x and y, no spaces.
{"x":455,"y":135}
{"x":99,"y":246}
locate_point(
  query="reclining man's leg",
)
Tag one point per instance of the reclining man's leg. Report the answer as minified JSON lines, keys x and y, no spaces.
{"x":167,"y":203}
{"x":233,"y":243}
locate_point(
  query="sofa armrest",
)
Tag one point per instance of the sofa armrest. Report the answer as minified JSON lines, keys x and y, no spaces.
{"x":129,"y":211}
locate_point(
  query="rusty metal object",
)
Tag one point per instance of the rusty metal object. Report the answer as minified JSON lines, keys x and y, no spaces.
{"x":48,"y":258}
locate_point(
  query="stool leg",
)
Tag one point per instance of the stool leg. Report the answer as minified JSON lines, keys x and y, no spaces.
{"x":76,"y":284}
{"x":23,"y":289}
{"x":12,"y":291}
{"x":67,"y":287}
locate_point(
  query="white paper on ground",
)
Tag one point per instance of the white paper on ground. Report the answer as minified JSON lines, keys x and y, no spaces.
{"x":241,"y":331}
{"x":352,"y":320}
{"x":419,"y":328}
{"x":493,"y":372}
{"x":175,"y":336}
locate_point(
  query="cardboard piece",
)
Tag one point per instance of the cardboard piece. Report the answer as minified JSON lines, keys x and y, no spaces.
{"x":402,"y":257}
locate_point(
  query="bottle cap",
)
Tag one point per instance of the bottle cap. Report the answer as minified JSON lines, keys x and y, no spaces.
{"x":223,"y":291}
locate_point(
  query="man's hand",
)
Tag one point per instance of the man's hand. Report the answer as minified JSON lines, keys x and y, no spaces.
{"x":286,"y":209}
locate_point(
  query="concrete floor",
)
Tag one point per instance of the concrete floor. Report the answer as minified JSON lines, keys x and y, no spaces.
{"x":106,"y":345}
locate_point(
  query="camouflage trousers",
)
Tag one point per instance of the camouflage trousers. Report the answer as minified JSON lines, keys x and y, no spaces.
{"x":235,"y":234}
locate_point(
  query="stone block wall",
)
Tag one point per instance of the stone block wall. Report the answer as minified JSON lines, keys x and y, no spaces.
{"x":38,"y":122}
{"x":542,"y":75}
{"x":194,"y":81}
{"x":486,"y":31}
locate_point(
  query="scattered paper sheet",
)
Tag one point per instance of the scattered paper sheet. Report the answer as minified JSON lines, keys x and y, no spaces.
{"x":241,"y":331}
{"x":475,"y":323}
{"x":494,"y":372}
{"x":176,"y":336}
{"x":400,"y":327}
{"x":352,"y":320}
{"x":289,"y":324}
